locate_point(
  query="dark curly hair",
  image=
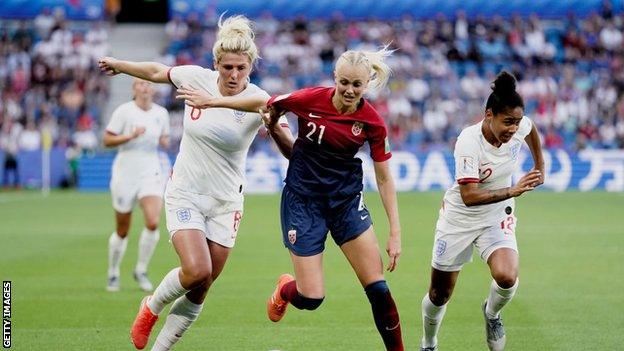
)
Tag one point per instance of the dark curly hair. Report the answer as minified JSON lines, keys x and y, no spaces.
{"x":504,"y":96}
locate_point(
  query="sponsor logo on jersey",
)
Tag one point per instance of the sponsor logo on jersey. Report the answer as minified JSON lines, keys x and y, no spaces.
{"x":386,"y":145}
{"x":440,"y":247}
{"x":292,"y":236}
{"x":184,"y":214}
{"x":312,"y":115}
{"x":239,"y":115}
{"x":357,"y":128}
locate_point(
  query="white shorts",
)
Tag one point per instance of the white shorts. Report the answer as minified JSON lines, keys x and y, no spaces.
{"x":453,"y":244}
{"x":217,"y":219}
{"x":125,"y":192}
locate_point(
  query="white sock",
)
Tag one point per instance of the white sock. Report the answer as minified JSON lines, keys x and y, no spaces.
{"x":432,"y":319}
{"x":116,"y":249}
{"x":168,"y":290}
{"x":181,"y":315}
{"x":147,"y":244}
{"x":498,"y":298}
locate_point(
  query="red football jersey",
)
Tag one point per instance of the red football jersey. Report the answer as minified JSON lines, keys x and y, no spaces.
{"x":323,"y":161}
{"x":322,"y":124}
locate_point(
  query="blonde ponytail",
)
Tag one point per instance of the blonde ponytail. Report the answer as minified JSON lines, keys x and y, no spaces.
{"x":374,"y":61}
{"x":235,"y":35}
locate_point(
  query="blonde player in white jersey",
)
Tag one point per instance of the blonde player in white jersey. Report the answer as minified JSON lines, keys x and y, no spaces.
{"x":137,"y":128}
{"x":204,"y":198}
{"x":478,"y":210}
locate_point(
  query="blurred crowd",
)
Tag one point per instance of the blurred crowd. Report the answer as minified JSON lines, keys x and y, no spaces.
{"x":570,"y":72}
{"x":51,"y":92}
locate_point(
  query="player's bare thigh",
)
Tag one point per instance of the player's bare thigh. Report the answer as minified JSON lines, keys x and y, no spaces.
{"x":192,"y":248}
{"x":442,"y":286}
{"x":363,"y":255}
{"x":122,"y":223}
{"x":152,"y":206}
{"x":504,"y":265}
{"x":309,"y":275}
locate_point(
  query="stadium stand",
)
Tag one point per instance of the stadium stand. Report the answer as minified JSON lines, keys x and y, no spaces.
{"x":570,"y":67}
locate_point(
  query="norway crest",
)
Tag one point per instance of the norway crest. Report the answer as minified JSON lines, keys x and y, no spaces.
{"x":357,"y":128}
{"x":292,"y":236}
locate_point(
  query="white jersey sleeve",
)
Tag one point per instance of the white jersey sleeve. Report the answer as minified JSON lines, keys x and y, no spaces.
{"x":467,"y":158}
{"x":117,"y":122}
{"x":187,"y":76}
{"x":525,"y":127}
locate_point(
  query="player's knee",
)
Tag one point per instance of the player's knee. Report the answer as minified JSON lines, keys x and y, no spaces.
{"x":438,"y":296}
{"x":198,"y":275}
{"x":151,"y":224}
{"x":122,"y":230}
{"x":506,"y":279}
{"x":308,"y":303}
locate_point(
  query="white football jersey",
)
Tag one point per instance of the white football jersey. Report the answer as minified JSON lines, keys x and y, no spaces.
{"x":138,"y":157}
{"x":478,"y":161}
{"x":215,"y":142}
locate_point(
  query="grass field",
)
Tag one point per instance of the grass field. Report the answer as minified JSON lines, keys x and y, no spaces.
{"x":571,"y":295}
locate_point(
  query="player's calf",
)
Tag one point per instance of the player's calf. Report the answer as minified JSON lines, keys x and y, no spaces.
{"x":385,"y":314}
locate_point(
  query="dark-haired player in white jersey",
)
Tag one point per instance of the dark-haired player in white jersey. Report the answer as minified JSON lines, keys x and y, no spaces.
{"x":479,"y":212}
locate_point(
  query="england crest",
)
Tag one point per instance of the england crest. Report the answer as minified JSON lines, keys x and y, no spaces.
{"x":238,"y":116}
{"x":440,"y":247}
{"x":292,"y":236}
{"x":184,"y":214}
{"x":514,"y":150}
{"x":357,"y":128}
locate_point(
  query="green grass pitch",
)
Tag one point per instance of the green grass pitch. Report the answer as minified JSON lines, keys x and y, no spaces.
{"x":571,"y":295}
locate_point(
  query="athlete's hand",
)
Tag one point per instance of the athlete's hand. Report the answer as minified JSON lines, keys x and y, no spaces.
{"x":108,"y":65}
{"x":137,"y":131}
{"x":528,"y":182}
{"x":541,"y":178}
{"x":270,"y":116}
{"x":393,"y":248}
{"x":196,"y":98}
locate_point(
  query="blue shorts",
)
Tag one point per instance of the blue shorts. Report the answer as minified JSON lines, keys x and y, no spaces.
{"x":306,"y":221}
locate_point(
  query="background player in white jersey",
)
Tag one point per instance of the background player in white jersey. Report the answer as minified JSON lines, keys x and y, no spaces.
{"x":137,"y":127}
{"x":478,"y":210}
{"x":204,"y":198}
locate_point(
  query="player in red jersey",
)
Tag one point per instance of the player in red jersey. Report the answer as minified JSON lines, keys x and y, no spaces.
{"x":323,"y":189}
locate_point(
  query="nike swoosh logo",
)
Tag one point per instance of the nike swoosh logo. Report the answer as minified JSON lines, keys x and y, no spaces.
{"x":393,"y":328}
{"x":486,"y":163}
{"x":363,"y":217}
{"x":312,"y":115}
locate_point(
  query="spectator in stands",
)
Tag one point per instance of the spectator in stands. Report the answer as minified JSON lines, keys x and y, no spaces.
{"x":9,"y":144}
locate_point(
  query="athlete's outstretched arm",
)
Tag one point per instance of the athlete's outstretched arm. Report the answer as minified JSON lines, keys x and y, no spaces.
{"x":152,"y":71}
{"x":202,"y":99}
{"x":281,"y":134}
{"x":535,"y":145}
{"x":387,"y":192}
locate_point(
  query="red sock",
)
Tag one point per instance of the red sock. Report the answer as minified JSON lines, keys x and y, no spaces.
{"x":289,"y":291}
{"x":386,"y":315}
